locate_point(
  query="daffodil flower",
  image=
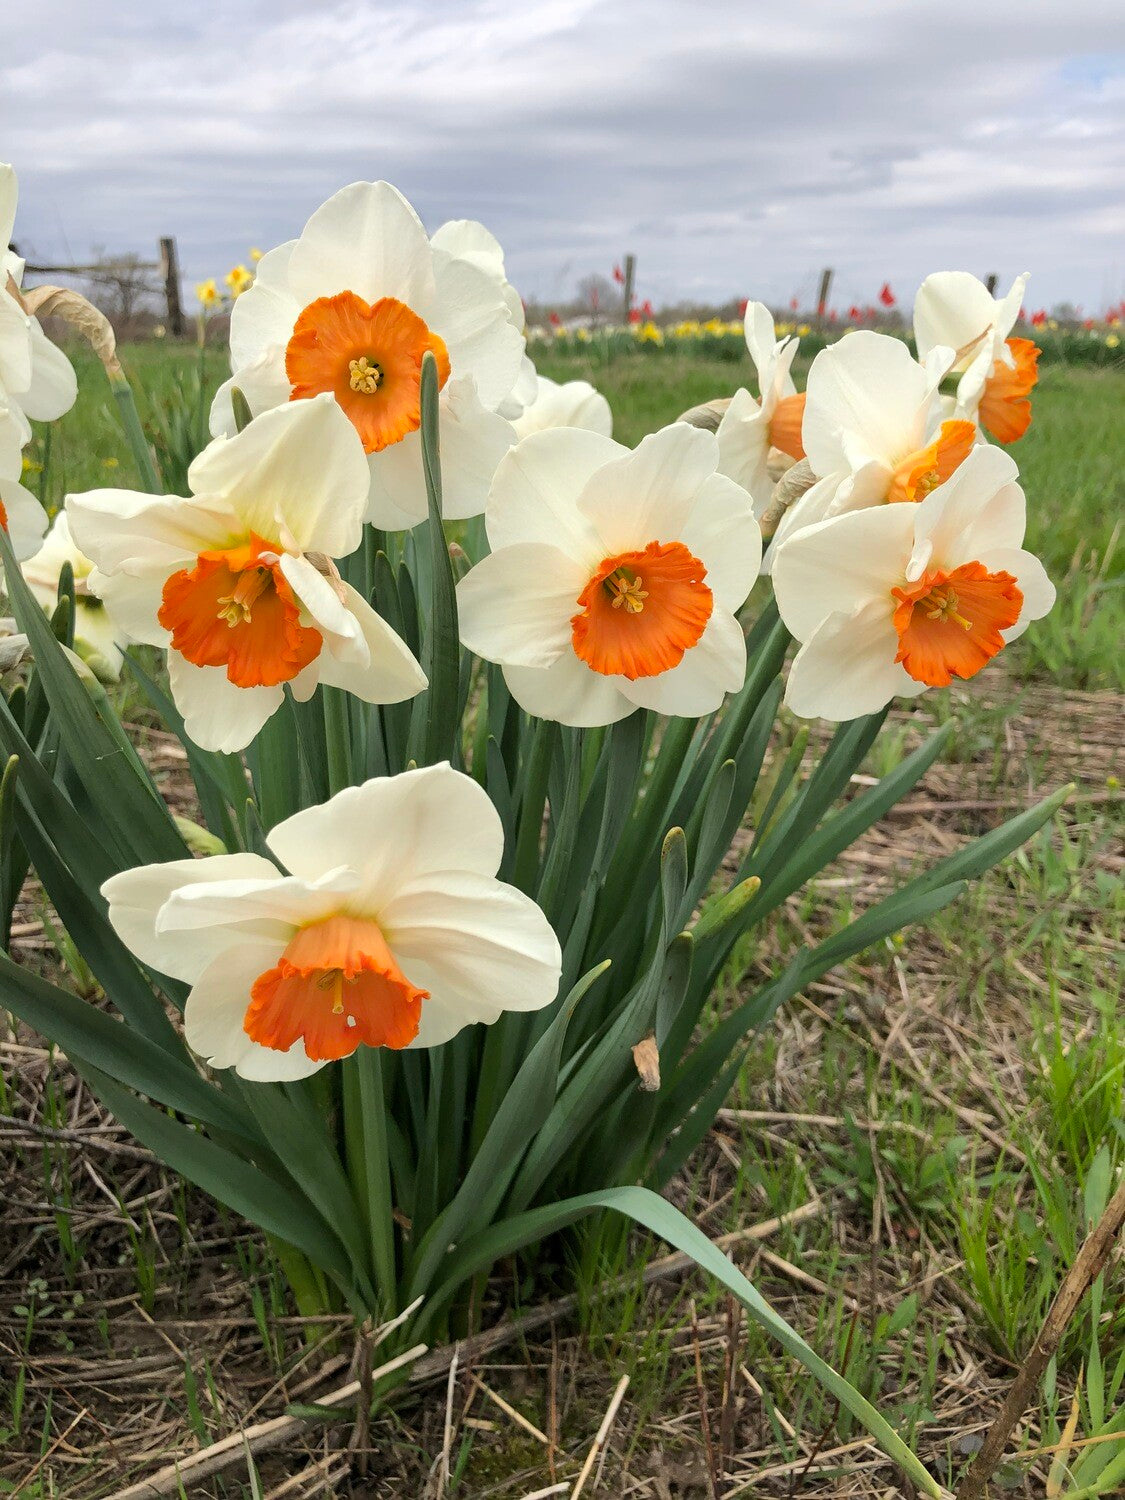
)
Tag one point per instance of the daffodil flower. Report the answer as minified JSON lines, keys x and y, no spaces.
{"x":390,"y":929}
{"x":997,"y":373}
{"x":207,"y":293}
{"x":239,"y":279}
{"x":614,"y":576}
{"x":96,"y":636}
{"x":238,"y":581}
{"x":36,"y":378}
{"x":576,"y":403}
{"x":874,"y":429}
{"x":891,"y":600}
{"x":752,"y":430}
{"x":363,"y":283}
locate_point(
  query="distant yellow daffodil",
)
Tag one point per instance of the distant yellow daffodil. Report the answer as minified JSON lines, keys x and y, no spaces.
{"x":239,"y":279}
{"x":207,"y":293}
{"x":648,"y":333}
{"x":1112,"y":341}
{"x":255,"y":254}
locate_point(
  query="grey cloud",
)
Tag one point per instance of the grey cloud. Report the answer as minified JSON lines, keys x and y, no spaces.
{"x":735,"y":147}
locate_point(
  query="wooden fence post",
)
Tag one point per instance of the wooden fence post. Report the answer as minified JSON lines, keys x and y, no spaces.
{"x":170,"y":271}
{"x":990,"y":282}
{"x":630,"y":277}
{"x":822,"y":295}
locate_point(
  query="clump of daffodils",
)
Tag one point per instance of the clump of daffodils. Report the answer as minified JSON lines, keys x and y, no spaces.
{"x":471,"y":800}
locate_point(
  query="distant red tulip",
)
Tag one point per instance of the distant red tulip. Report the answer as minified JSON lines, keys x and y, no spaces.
{"x":833,"y":315}
{"x":634,"y":315}
{"x":854,"y":313}
{"x":793,"y":304}
{"x":1038,"y":318}
{"x":646,"y":308}
{"x":554,"y":320}
{"x":1088,"y":323}
{"x":742,"y":306}
{"x":619,"y":275}
{"x":886,"y":296}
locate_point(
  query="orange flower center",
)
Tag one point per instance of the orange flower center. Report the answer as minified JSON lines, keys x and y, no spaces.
{"x":336,"y":985}
{"x":923,"y":471}
{"x":369,"y":356}
{"x":641,"y":611}
{"x":785,"y":426}
{"x":1005,"y":407}
{"x":3,"y":516}
{"x":234,"y":609}
{"x":949,"y":624}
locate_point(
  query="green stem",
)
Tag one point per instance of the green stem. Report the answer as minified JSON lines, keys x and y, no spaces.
{"x":337,"y":739}
{"x":134,"y":432}
{"x":377,"y":1173}
{"x":531,"y":809}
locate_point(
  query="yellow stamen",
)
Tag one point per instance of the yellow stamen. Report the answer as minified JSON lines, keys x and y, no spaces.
{"x":626,"y":593}
{"x":941,"y":604}
{"x":235,"y":608}
{"x":364,"y":375}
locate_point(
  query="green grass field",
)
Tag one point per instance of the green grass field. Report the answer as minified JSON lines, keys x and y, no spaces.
{"x":951,"y":1107}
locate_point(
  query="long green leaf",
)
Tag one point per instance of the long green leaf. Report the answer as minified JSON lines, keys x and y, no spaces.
{"x":115,"y":1048}
{"x":655,"y":1214}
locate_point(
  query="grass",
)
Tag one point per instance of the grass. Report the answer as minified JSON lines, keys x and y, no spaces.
{"x":953,"y":1101}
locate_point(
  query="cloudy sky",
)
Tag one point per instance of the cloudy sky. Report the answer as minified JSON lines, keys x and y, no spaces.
{"x":735,"y":146}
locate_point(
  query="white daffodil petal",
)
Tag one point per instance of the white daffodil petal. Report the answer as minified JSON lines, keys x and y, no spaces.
{"x":218,"y":715}
{"x":568,"y":692}
{"x":722,"y":533}
{"x":319,"y":599}
{"x":9,"y":199}
{"x":126,"y":531}
{"x":816,"y":504}
{"x":868,"y":389}
{"x":368,"y":240}
{"x":27,"y":520}
{"x":649,"y":494}
{"x":761,"y":336}
{"x":387,"y":672}
{"x":847,"y":667}
{"x":264,"y":315}
{"x":471,"y":315}
{"x":980,"y":500}
{"x":53,"y":388}
{"x":1037,"y":589}
{"x":954,"y":308}
{"x":132,"y":601}
{"x":395,"y":829}
{"x":136,"y":896}
{"x":271,"y":906}
{"x":302,"y":466}
{"x":515,"y":606}
{"x":743,"y":436}
{"x":838,"y":564}
{"x":536,"y":487}
{"x":712,"y":668}
{"x":573,"y":404}
{"x":484,"y":941}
